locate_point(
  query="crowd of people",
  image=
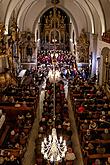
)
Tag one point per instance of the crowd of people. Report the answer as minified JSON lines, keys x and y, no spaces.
{"x":90,"y":104}
{"x":65,"y":62}
{"x":20,"y":101}
{"x":17,"y":113}
{"x":45,"y":57}
{"x":92,"y":113}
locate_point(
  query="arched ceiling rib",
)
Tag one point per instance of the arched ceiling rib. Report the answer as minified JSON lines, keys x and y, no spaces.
{"x":87,"y":18}
{"x":11,"y":6}
{"x":78,"y":18}
{"x":94,"y":4}
{"x":85,"y":6}
{"x":105,"y":5}
{"x":31,"y":16}
{"x":26,"y":13}
{"x":25,"y":6}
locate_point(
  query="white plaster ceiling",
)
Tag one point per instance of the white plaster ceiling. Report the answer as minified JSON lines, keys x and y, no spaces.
{"x":88,"y":14}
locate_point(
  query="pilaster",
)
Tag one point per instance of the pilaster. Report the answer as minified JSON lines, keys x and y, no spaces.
{"x":93,"y":49}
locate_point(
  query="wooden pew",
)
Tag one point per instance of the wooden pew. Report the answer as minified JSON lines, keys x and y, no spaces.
{"x":13,"y":108}
{"x":15,"y":152}
{"x":4,"y":135}
{"x":98,"y":141}
{"x":100,"y":156}
{"x":95,"y":156}
{"x":12,"y":112}
{"x":97,"y":129}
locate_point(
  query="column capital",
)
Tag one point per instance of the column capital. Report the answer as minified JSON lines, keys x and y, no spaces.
{"x":94,"y":36}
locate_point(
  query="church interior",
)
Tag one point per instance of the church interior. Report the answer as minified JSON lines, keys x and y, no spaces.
{"x":54,"y":82}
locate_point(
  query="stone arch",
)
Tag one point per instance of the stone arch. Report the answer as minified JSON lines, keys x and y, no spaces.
{"x":105,"y":51}
{"x":106,"y":65}
{"x":27,"y":3}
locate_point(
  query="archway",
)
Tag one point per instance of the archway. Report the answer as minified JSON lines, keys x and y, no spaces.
{"x":106,"y":65}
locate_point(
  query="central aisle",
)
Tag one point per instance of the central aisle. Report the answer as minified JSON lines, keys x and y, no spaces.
{"x":75,"y":139}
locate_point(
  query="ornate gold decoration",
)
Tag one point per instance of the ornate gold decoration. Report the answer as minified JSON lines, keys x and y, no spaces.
{"x":6,"y":76}
{"x":83,"y":47}
{"x":2,"y":39}
{"x":55,"y":1}
{"x":14,"y":30}
{"x":7,"y":79}
{"x":106,"y":65}
{"x":27,"y":45}
{"x":49,"y":25}
{"x":106,"y":37}
{"x":61,"y":31}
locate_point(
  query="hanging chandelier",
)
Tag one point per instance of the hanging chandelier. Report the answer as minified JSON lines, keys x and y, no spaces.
{"x":53,"y":149}
{"x":54,"y":76}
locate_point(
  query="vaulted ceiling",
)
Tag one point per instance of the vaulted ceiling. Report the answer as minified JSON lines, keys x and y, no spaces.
{"x":92,"y":15}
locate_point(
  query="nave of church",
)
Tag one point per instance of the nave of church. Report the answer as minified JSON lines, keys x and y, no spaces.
{"x":56,"y":96}
{"x":54,"y":82}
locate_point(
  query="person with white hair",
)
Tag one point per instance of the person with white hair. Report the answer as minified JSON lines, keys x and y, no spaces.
{"x":106,"y":134}
{"x":70,"y":156}
{"x":108,"y":161}
{"x":97,"y":162}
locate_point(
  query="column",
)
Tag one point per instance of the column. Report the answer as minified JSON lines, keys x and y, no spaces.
{"x":101,"y":70}
{"x":38,"y":39}
{"x":93,"y":49}
{"x":39,"y":30}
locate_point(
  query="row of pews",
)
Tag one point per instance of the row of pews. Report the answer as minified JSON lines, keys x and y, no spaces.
{"x":92,"y":114}
{"x":19,"y":109}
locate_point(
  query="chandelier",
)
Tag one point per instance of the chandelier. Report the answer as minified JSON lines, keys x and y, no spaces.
{"x":54,"y":75}
{"x":52,"y":148}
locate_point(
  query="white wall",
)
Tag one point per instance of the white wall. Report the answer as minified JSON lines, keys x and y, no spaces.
{"x":106,"y":8}
{"x":100,"y":46}
{"x":77,"y":14}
